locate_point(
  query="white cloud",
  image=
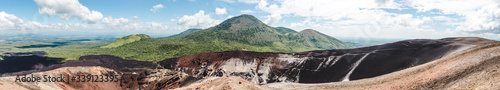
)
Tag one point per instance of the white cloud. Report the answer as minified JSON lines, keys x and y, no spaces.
{"x":142,"y":26}
{"x":351,"y":17}
{"x":115,"y":22}
{"x":157,"y":25}
{"x":480,"y":16}
{"x":228,"y":1}
{"x":243,"y":1}
{"x":198,"y":20}
{"x":296,"y":25}
{"x":448,"y":6}
{"x":230,"y":16}
{"x":67,"y":9}
{"x":13,"y":23}
{"x":130,"y":24}
{"x":249,"y":1}
{"x":271,"y":19}
{"x":68,"y":27}
{"x":220,"y":11}
{"x":134,"y":17}
{"x":247,"y":11}
{"x":156,"y":8}
{"x":443,"y":18}
{"x":326,"y":9}
{"x":191,"y":0}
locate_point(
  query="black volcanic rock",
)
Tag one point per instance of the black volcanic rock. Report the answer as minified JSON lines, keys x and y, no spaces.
{"x":16,"y":61}
{"x":322,"y":65}
{"x":107,"y":61}
{"x":353,"y":64}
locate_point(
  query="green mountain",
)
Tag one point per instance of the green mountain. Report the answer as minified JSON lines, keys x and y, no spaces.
{"x":244,"y":32}
{"x":126,"y":40}
{"x":312,"y":38}
{"x":189,"y":31}
{"x":284,"y":30}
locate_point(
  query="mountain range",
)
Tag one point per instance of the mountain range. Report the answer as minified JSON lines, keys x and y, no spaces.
{"x":244,"y":32}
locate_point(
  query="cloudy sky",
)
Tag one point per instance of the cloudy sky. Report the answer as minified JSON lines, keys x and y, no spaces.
{"x":339,"y":18}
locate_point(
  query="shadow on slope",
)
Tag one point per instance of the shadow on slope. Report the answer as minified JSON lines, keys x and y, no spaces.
{"x":24,"y":62}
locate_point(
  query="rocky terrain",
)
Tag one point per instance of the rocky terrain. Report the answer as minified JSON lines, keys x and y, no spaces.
{"x":449,"y":63}
{"x":317,"y":66}
{"x":474,"y":68}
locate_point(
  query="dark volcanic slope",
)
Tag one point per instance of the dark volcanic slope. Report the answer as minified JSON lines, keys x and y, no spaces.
{"x":353,"y":64}
{"x":108,"y":61}
{"x":134,"y":74}
{"x":471,"y":69}
{"x":16,"y":62}
{"x":18,"y":65}
{"x":322,"y":65}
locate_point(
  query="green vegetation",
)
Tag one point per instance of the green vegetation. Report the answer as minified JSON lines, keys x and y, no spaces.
{"x":244,"y":32}
{"x":312,"y":38}
{"x":285,"y":31}
{"x":189,"y":31}
{"x":126,"y":40}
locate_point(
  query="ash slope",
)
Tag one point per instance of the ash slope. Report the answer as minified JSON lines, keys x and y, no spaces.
{"x":319,"y":66}
{"x":322,"y":66}
{"x":474,"y":68}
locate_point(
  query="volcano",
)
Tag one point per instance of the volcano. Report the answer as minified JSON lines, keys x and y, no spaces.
{"x":244,"y":32}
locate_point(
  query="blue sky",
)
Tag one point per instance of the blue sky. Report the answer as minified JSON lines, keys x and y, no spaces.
{"x":339,"y":18}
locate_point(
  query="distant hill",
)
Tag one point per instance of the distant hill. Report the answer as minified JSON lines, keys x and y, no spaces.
{"x":284,"y":30}
{"x":189,"y":31}
{"x":126,"y":40}
{"x":244,"y":32}
{"x":314,"y":38}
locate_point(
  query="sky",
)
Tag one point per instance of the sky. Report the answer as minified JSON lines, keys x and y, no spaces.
{"x":408,"y":19}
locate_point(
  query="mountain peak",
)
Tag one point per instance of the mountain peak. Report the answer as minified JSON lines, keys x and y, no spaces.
{"x":309,"y":30}
{"x":248,"y":29}
{"x":243,"y":20}
{"x":246,"y":16}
